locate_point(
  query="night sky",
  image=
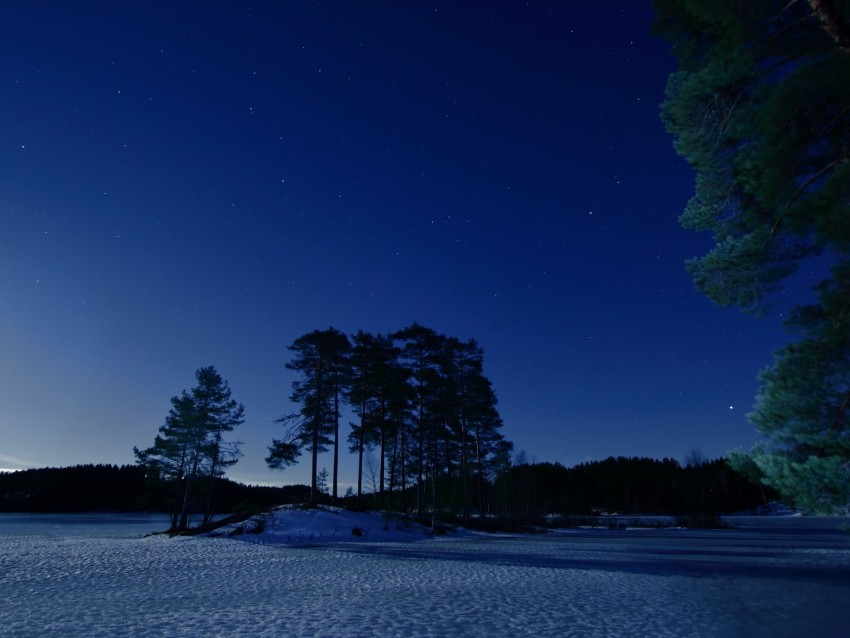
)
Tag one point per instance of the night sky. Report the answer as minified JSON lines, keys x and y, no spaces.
{"x":186,"y":184}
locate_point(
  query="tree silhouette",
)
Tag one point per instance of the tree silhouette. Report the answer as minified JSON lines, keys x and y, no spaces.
{"x":321,"y":361}
{"x":190,"y":446}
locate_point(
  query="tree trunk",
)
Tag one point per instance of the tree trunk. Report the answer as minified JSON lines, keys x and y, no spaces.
{"x":403,"y":465}
{"x":434,"y":474}
{"x":361,"y":443}
{"x":478,"y":471}
{"x":187,"y":494}
{"x":336,"y":442}
{"x":383,"y":431}
{"x":381,"y":469}
{"x":178,"y":502}
{"x":420,"y":488}
{"x":180,"y":484}
{"x":420,"y":496}
{"x":208,"y":513}
{"x":360,"y":446}
{"x":214,"y":465}
{"x":464,"y":487}
{"x":314,"y":491}
{"x":393,"y":465}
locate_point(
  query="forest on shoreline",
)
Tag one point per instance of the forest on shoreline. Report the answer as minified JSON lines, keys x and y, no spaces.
{"x":125,"y":488}
{"x":629,"y":486}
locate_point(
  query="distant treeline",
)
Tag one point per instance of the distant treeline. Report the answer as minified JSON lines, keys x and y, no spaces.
{"x":626,"y":486}
{"x":112,"y":488}
{"x":615,"y":485}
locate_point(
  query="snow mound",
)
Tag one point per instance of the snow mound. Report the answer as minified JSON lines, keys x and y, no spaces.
{"x":297,"y":524}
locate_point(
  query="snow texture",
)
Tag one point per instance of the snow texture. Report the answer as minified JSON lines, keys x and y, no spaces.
{"x":306,"y":575}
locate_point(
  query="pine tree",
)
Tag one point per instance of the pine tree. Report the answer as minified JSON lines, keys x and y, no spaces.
{"x":471,"y":432}
{"x":190,"y":445}
{"x":169,"y":457}
{"x":803,"y":406}
{"x":760,"y":107}
{"x":361,"y":397}
{"x":219,"y":414}
{"x":321,"y":361}
{"x":491,"y":450}
{"x":322,"y":481}
{"x":420,"y":350}
{"x":377,"y":391}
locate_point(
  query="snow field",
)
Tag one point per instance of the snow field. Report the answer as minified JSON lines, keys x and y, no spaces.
{"x":578,"y":583}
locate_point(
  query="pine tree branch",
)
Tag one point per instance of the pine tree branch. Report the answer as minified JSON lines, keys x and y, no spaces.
{"x":836,"y":162}
{"x":832,"y":22}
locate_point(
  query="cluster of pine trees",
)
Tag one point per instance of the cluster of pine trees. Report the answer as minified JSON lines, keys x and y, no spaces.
{"x":420,"y":398}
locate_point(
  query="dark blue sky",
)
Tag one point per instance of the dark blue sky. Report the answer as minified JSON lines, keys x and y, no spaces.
{"x":200,"y":183}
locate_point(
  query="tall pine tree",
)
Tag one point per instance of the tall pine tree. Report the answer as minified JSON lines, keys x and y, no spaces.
{"x":420,"y":351}
{"x":377,"y":392}
{"x":190,"y":448}
{"x":321,"y":361}
{"x":760,"y":107}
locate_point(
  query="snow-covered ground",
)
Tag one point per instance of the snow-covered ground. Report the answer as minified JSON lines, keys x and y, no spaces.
{"x":774,"y":577}
{"x":295,"y":525}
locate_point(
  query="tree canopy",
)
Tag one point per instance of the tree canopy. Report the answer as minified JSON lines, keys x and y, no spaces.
{"x":760,"y":107}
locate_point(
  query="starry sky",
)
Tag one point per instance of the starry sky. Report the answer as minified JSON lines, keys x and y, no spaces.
{"x":195,"y":183}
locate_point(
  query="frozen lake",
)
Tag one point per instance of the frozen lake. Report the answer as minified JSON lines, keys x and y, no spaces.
{"x":86,"y":525}
{"x":94,"y":576}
